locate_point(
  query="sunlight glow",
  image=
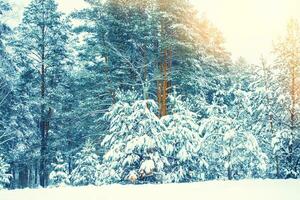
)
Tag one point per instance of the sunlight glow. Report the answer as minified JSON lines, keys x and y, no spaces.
{"x":249,"y":26}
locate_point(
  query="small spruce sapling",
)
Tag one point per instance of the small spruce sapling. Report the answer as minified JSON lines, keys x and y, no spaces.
{"x":87,"y":165}
{"x":59,"y":176}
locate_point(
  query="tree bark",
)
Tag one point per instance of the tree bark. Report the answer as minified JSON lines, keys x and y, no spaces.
{"x":166,"y":57}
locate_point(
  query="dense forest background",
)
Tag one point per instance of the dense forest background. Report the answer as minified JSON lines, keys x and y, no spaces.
{"x":141,"y":91}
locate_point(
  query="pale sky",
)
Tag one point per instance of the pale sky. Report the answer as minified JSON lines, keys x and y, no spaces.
{"x":249,"y":26}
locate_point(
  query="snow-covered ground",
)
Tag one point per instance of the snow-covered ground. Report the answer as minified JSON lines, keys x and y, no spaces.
{"x":232,"y":190}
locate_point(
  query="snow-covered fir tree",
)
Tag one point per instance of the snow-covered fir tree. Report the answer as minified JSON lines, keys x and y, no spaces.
{"x":4,"y":175}
{"x":87,"y":166}
{"x":134,"y":143}
{"x":41,"y":57}
{"x":263,"y":98}
{"x":183,"y":142}
{"x":229,"y":144}
{"x":59,"y":175}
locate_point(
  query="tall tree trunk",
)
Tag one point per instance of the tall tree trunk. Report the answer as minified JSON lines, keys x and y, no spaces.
{"x":24,"y":176}
{"x":15,"y":182}
{"x":43,"y":118}
{"x":145,"y":84}
{"x":164,"y":85}
{"x":166,"y":57}
{"x":37,"y":173}
{"x":159,"y":95}
{"x":170,"y":61}
{"x":43,"y":161}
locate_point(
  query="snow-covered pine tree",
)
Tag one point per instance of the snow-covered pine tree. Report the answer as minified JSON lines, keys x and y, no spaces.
{"x":134,"y":143}
{"x":40,"y":54}
{"x":59,"y":175}
{"x":87,"y":165}
{"x":8,"y":115}
{"x":4,"y":176}
{"x":229,"y":144}
{"x":263,"y":97}
{"x":192,"y":53}
{"x":94,"y":96}
{"x":183,"y":142}
{"x":121,"y":37}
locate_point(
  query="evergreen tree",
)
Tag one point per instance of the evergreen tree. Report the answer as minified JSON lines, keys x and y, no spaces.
{"x":7,"y":86}
{"x":40,"y":51}
{"x":191,"y":52}
{"x":87,"y":165}
{"x":229,"y":144}
{"x":134,"y":143}
{"x":264,"y":105}
{"x":93,"y":79}
{"x":5,"y":72}
{"x":119,"y":37}
{"x":59,"y":175}
{"x":4,"y":176}
{"x":183,"y":144}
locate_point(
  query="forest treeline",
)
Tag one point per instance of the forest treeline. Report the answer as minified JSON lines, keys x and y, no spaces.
{"x":141,"y":91}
